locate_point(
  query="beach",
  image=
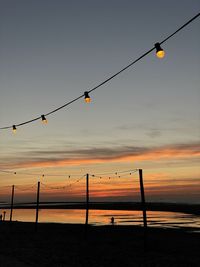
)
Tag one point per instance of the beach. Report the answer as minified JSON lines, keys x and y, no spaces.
{"x":69,"y":245}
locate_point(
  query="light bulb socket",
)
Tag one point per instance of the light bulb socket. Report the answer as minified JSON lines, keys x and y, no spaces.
{"x":87,"y":97}
{"x":44,"y":120}
{"x":158,"y":47}
{"x":86,"y":94}
{"x":14,"y":128}
{"x":160,"y":53}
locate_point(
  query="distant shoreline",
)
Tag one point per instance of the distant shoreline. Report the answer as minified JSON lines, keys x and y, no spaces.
{"x":170,"y":207}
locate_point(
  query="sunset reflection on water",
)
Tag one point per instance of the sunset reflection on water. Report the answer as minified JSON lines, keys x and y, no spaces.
{"x":103,"y":217}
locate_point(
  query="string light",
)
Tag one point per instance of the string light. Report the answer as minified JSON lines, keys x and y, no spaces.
{"x":76,"y":181}
{"x":160,"y":54}
{"x":25,"y":188}
{"x":14,"y":129}
{"x":38,"y":174}
{"x":159,"y":51}
{"x":116,"y":174}
{"x":87,"y":97}
{"x":98,"y":175}
{"x":44,"y":120}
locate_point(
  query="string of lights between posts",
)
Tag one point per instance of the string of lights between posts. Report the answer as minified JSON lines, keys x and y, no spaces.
{"x":107,"y":175}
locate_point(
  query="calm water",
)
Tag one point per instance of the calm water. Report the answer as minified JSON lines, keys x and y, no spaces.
{"x":102,"y":217}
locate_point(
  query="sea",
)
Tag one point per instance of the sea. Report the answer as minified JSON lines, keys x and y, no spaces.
{"x":161,"y":219}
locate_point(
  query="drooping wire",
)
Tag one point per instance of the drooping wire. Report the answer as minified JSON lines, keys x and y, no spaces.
{"x":62,"y":187}
{"x":121,"y":176}
{"x":39,"y":174}
{"x":52,"y":187}
{"x":108,"y":79}
{"x":107,"y":179}
{"x":25,"y":187}
{"x":179,"y":29}
{"x":117,"y":173}
{"x":108,"y":175}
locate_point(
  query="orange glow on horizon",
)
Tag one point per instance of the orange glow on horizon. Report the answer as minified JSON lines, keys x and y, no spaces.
{"x":179,"y":180}
{"x":156,"y":154}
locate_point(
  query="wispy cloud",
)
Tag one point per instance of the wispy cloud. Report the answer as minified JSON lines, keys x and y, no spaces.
{"x":153,"y":133}
{"x":94,"y":155}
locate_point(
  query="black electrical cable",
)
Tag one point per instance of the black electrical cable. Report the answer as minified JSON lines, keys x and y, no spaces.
{"x":108,"y":79}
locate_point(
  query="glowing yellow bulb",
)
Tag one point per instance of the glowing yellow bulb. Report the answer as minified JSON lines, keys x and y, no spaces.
{"x":159,"y":51}
{"x":87,"y":97}
{"x":14,"y":129}
{"x":160,"y":54}
{"x":44,"y":120}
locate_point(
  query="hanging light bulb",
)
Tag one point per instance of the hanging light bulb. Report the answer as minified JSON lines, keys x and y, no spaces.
{"x":44,"y":120}
{"x":87,"y":97}
{"x":159,"y":51}
{"x":14,"y":129}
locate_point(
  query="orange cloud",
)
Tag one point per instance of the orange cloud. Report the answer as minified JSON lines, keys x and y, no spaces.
{"x":95,"y":156}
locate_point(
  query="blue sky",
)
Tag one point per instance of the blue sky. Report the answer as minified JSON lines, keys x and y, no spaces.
{"x":52,"y":51}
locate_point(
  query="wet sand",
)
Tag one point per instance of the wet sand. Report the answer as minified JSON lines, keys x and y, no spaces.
{"x":69,"y":245}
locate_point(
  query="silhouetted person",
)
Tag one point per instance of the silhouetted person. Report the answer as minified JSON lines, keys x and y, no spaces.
{"x":1,"y":217}
{"x":112,"y":220}
{"x":4,"y":215}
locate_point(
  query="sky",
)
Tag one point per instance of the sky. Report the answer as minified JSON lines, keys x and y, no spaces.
{"x":147,"y":117}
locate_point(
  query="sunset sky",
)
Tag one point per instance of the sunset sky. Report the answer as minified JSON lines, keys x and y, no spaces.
{"x":51,"y":51}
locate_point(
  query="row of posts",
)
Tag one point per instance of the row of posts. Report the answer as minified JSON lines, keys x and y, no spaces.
{"x":143,"y":204}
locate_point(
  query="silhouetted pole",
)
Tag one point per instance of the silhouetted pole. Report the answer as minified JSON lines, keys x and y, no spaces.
{"x":37,"y":204}
{"x":143,"y":199}
{"x":87,"y":199}
{"x":4,"y":215}
{"x":12,"y":200}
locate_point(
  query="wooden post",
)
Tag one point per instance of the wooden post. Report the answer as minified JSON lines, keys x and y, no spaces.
{"x":143,"y":203}
{"x":37,"y":204}
{"x":4,"y":215}
{"x":12,"y":200}
{"x":87,"y":199}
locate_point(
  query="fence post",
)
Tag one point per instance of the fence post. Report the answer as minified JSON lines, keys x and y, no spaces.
{"x":37,"y":205}
{"x":143,"y":203}
{"x":143,"y":199}
{"x":87,"y":199}
{"x":12,"y":200}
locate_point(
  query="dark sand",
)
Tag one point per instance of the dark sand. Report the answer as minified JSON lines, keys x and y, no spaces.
{"x":66,"y":245}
